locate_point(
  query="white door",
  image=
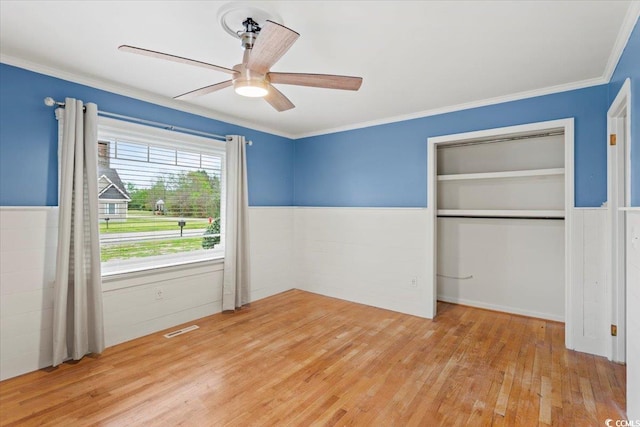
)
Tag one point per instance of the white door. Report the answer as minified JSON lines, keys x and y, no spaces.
{"x":625,"y":247}
{"x":618,"y":199}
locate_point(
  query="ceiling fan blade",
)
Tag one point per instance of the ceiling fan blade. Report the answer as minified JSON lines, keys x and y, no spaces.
{"x":173,"y":58}
{"x":278,"y":100}
{"x":204,"y":90}
{"x":273,"y":41}
{"x":328,"y":81}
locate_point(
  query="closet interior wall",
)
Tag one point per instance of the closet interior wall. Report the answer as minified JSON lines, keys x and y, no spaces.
{"x":500,"y":224}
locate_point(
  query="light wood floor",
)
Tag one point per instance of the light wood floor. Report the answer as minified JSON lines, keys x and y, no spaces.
{"x":304,"y":359}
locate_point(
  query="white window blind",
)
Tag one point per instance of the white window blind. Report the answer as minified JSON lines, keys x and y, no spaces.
{"x":161,"y":195}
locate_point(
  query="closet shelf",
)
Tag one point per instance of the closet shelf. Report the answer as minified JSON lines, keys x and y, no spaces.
{"x":506,"y":213}
{"x":505,"y":174}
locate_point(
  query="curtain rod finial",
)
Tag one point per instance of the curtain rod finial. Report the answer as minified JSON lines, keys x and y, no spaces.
{"x":49,"y":101}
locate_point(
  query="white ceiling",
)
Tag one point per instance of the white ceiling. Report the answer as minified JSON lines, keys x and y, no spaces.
{"x":416,"y":57}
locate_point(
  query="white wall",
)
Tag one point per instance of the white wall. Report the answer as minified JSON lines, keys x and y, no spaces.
{"x":371,"y":255}
{"x":590,"y":298}
{"x":271,"y":250}
{"x":365,"y":255}
{"x":134,"y":310}
{"x":517,"y":265}
{"x":28,"y":238}
{"x":633,"y":314}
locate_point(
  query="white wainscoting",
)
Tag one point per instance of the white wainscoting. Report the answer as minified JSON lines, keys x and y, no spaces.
{"x":366,"y":255}
{"x":633,"y":314}
{"x":28,"y":238}
{"x":591,"y":333}
{"x":516,"y":265}
{"x":271,"y":250}
{"x":134,"y":308}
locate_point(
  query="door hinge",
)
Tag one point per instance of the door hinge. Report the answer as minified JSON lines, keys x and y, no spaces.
{"x":614,"y":330}
{"x":612,"y":139}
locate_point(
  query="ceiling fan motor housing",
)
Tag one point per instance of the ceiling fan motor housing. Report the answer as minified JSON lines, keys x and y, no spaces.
{"x":249,"y":83}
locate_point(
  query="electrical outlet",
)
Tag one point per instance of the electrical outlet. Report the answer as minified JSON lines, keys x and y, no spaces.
{"x":159,"y":294}
{"x":414,"y":282}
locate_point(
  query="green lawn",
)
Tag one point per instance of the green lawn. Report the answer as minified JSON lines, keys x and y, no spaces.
{"x":143,"y":221}
{"x":150,"y":248}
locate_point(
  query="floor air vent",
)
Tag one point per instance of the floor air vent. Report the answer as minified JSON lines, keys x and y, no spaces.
{"x":181,"y":331}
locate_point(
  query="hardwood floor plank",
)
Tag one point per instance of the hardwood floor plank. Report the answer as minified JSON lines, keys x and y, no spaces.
{"x":545,"y":401}
{"x":303,"y":359}
{"x":505,"y":389}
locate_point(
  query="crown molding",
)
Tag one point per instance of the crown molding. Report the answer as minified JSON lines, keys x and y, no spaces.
{"x":631,"y":17}
{"x":132,"y":92}
{"x":170,"y":103}
{"x":633,"y":12}
{"x":459,"y":107}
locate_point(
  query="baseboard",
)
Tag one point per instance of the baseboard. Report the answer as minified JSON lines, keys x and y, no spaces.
{"x":504,"y":309}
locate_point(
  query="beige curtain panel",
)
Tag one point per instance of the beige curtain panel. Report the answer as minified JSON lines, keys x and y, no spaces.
{"x":237,"y":280}
{"x":77,"y":305}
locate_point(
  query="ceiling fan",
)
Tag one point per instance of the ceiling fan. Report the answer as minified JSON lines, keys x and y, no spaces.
{"x":263,"y":47}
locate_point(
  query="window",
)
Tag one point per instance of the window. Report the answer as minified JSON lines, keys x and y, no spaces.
{"x":161,"y":197}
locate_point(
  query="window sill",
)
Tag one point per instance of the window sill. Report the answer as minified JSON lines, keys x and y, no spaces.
{"x":122,"y":279}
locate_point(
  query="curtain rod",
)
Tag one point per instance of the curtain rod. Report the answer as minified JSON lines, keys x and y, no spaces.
{"x":50,"y":102}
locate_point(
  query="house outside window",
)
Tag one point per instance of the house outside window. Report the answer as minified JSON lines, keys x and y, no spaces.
{"x":161,"y":197}
{"x":112,"y":193}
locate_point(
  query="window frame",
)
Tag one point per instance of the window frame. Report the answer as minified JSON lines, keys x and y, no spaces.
{"x":110,"y":129}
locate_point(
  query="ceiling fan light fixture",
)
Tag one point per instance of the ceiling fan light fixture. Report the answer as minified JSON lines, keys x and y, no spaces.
{"x":264,"y":44}
{"x":251,"y":87}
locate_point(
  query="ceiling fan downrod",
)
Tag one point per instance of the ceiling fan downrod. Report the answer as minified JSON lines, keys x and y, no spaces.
{"x":251,"y":31}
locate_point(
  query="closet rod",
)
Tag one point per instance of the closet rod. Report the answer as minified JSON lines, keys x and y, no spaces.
{"x":506,"y":139}
{"x":502,"y":217}
{"x":50,"y":102}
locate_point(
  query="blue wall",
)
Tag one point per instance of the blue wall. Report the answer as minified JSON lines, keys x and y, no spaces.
{"x":386,"y":165}
{"x":28,"y":139}
{"x":376,"y":166}
{"x":629,"y":67}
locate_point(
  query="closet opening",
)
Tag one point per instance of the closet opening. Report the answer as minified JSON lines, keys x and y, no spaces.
{"x":499,"y":204}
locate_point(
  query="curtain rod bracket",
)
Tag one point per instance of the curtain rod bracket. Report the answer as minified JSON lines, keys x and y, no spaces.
{"x":50,"y":102}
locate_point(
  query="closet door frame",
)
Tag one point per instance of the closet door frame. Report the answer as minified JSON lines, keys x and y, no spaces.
{"x":572,"y":309}
{"x":618,"y":201}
